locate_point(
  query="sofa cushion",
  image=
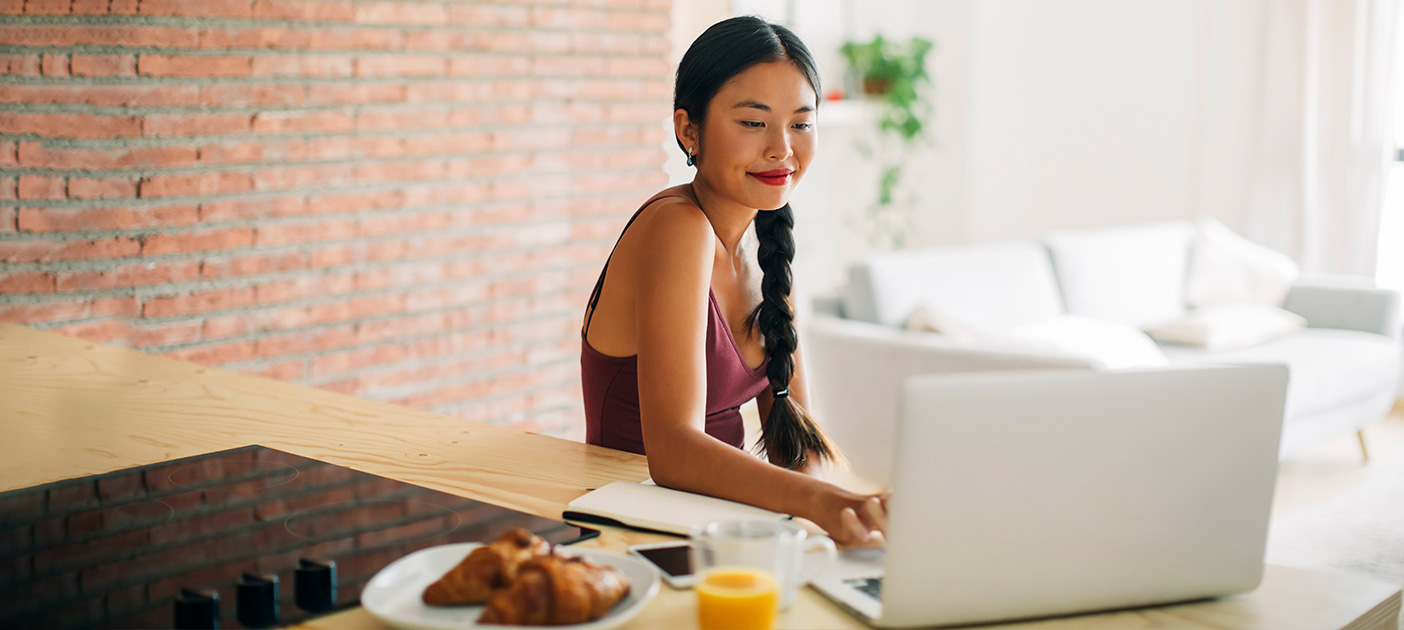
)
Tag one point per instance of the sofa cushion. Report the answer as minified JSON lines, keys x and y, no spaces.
{"x":1134,"y":275}
{"x":1109,"y":344}
{"x":1229,"y":326}
{"x":999,"y":285}
{"x":1329,"y":368}
{"x":1225,"y":268}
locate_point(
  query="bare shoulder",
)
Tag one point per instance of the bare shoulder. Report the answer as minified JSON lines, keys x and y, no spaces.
{"x":672,"y":230}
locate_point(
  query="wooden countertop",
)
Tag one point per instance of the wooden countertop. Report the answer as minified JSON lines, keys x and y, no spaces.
{"x":70,"y":408}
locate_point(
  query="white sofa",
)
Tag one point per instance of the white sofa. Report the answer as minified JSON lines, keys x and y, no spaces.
{"x":1345,"y":365}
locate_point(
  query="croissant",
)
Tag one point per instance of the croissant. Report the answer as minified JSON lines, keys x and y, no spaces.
{"x":556,"y":590}
{"x":487,"y":568}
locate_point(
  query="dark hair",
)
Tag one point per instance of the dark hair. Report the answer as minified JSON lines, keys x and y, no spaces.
{"x":721,"y":52}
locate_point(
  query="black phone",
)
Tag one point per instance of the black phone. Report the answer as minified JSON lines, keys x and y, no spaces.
{"x":673,"y":559}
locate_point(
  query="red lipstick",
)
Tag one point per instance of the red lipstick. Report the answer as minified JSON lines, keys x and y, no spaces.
{"x":777,"y":177}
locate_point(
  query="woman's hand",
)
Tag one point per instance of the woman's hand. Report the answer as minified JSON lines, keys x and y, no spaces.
{"x":850,"y":518}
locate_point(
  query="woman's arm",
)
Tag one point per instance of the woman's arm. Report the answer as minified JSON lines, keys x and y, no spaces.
{"x":672,"y":277}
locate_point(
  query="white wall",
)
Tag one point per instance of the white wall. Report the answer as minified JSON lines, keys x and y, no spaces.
{"x":1049,"y":115}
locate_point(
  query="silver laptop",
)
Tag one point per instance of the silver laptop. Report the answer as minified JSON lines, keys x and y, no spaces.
{"x":1032,"y":494}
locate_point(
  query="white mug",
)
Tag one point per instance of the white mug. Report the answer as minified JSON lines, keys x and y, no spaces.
{"x":779,"y":547}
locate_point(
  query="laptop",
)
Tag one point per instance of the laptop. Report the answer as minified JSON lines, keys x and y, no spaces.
{"x":1020,"y":495}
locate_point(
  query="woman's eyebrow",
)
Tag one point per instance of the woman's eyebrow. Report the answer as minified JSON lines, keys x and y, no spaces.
{"x":753,"y":104}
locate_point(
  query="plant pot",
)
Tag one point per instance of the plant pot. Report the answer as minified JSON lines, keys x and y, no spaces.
{"x":876,"y":87}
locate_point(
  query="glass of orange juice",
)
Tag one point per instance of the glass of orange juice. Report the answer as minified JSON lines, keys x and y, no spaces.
{"x":747,"y":566}
{"x":731,"y":598}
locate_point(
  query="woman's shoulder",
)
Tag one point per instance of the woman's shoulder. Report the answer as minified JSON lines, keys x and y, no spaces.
{"x":671,"y":219}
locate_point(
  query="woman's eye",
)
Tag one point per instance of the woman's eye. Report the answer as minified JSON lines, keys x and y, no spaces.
{"x":805,"y":126}
{"x":752,"y":123}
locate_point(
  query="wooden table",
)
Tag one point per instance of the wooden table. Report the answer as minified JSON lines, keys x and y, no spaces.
{"x":70,"y":408}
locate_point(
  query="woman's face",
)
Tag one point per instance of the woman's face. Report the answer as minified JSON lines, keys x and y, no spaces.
{"x":759,"y":136}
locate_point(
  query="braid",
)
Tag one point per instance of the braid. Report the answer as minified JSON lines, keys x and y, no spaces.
{"x":789,"y":434}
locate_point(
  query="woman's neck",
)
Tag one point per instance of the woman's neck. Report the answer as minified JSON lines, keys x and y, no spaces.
{"x":729,"y":219}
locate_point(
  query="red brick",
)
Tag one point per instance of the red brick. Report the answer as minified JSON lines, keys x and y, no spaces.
{"x":124,"y":7}
{"x":357,"y":39}
{"x":240,"y":94}
{"x":45,"y":312}
{"x":236,"y":209}
{"x":195,"y":124}
{"x":106,"y":95}
{"x":228,"y":326}
{"x":120,"y":487}
{"x":101,"y":188}
{"x":401,"y":66}
{"x":215,"y":355}
{"x":55,"y":65}
{"x":37,"y":155}
{"x":293,"y":233}
{"x":257,"y":264}
{"x":9,"y":220}
{"x":42,"y":187}
{"x":304,"y":10}
{"x":47,"y":251}
{"x":198,"y":8}
{"x":58,"y":219}
{"x":401,"y":13}
{"x":90,"y":7}
{"x":129,"y":276}
{"x":356,"y":93}
{"x":182,"y":242}
{"x":109,"y":332}
{"x":103,"y":65}
{"x":170,"y":305}
{"x":198,"y":184}
{"x":20,"y":65}
{"x":27,"y":282}
{"x":279,"y":122}
{"x":146,"y":336}
{"x":276,"y":345}
{"x":46,"y":35}
{"x":303,"y":66}
{"x":69,"y":125}
{"x":125,"y":306}
{"x":489,"y":15}
{"x":302,"y":288}
{"x":193,"y":66}
{"x":47,"y":7}
{"x":11,"y":7}
{"x":304,"y":176}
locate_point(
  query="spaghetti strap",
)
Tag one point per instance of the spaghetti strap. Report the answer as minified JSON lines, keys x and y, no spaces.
{"x":599,"y":284}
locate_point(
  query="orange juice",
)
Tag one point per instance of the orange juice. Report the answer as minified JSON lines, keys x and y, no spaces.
{"x":731,"y":598}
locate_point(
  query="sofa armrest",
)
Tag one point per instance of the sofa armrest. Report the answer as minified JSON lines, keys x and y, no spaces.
{"x":829,"y":305}
{"x":856,"y":369}
{"x":1336,"y":302}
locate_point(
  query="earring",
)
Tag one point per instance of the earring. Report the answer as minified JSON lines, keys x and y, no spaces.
{"x":691,"y":157}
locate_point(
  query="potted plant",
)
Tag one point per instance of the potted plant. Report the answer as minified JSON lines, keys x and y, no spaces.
{"x":896,"y":75}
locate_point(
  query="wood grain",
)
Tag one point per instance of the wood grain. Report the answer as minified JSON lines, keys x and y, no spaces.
{"x":70,"y":408}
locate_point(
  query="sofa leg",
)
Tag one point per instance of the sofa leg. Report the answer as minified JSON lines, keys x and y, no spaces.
{"x":1364,"y":452}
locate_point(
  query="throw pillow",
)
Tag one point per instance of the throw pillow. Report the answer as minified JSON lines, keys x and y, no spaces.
{"x":1225,"y":268}
{"x":1109,"y":343}
{"x":1229,"y":326}
{"x":928,"y":317}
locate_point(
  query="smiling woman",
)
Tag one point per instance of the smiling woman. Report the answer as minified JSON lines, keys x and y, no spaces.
{"x":691,"y":316}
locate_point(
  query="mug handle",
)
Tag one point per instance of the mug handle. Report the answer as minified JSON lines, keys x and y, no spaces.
{"x":830,"y":557}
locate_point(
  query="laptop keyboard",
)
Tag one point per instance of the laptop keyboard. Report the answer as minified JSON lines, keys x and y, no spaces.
{"x":870,"y":586}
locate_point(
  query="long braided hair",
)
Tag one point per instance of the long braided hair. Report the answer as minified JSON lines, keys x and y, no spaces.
{"x":789,"y":435}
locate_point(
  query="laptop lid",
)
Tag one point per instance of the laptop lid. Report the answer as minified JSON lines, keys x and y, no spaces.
{"x":1029,"y":494}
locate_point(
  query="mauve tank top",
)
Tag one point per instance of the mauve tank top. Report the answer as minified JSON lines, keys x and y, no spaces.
{"x":611,"y":384}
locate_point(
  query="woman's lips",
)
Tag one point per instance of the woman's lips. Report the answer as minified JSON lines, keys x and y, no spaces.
{"x":777,"y":177}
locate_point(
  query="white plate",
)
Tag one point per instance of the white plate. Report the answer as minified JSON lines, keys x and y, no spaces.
{"x":393,"y":595}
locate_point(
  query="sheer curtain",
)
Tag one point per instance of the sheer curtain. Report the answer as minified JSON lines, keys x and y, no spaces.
{"x":1323,"y":141}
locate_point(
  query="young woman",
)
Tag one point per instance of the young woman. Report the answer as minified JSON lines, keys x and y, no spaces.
{"x":692,"y":317}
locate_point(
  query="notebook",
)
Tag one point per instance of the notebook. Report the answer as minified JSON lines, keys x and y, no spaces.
{"x":654,"y":508}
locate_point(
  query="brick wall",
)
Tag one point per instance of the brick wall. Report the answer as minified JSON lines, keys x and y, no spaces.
{"x":403,"y":200}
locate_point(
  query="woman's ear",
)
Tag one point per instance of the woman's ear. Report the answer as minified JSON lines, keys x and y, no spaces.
{"x":686,"y":130}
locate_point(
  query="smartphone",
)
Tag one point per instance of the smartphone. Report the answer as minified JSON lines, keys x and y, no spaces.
{"x":673,"y":559}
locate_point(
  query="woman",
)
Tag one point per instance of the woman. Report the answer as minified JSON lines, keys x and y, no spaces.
{"x":691,"y":317}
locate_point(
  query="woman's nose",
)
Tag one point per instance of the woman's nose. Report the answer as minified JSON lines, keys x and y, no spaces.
{"x":780,"y":148}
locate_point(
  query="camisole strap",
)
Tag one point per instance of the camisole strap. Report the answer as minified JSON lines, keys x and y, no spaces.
{"x":599,"y":284}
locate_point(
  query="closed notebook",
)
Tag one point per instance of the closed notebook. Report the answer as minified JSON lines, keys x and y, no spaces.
{"x":654,"y":508}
